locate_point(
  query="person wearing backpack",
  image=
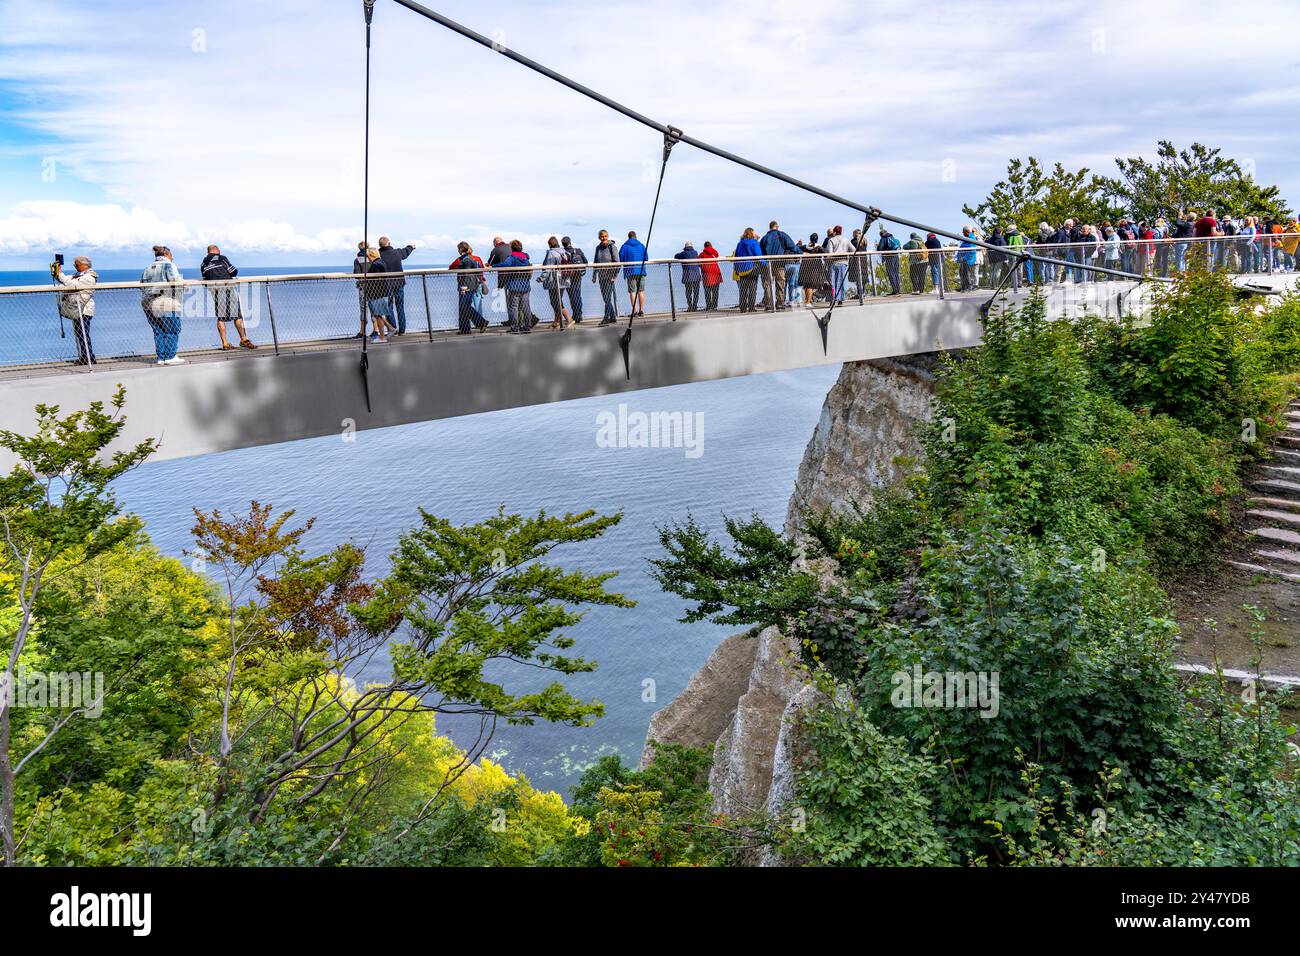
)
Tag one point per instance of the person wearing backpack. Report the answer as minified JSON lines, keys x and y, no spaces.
{"x":577,"y":271}
{"x":917,"y":261}
{"x":776,"y":242}
{"x":1015,"y":243}
{"x":555,"y":280}
{"x":888,"y":244}
{"x":471,"y":288}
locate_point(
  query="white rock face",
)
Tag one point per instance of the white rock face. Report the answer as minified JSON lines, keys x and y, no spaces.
{"x":742,"y":759}
{"x":868,"y":420}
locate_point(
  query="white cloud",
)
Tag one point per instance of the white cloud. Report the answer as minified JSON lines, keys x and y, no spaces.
{"x":259,"y":137}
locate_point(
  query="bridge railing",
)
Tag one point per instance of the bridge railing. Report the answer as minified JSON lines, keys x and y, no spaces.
{"x":41,"y":327}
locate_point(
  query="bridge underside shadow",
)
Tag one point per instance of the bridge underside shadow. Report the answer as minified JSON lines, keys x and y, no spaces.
{"x":258,"y":400}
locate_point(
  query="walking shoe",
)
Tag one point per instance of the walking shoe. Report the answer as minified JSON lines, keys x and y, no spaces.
{"x":175,"y":360}
{"x":247,"y":344}
{"x":227,"y":347}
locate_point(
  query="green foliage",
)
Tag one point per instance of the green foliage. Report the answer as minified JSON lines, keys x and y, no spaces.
{"x":756,"y":582}
{"x":1182,"y":180}
{"x":659,"y":816}
{"x":483,"y":593}
{"x":1190,"y":359}
{"x":862,"y":795}
{"x":1023,"y":427}
{"x":1029,"y":195}
{"x":1080,"y":659}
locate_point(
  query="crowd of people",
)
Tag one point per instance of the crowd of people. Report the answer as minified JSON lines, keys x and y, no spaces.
{"x":821,"y":268}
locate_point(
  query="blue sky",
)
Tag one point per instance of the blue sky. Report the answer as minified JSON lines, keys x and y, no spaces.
{"x":124,"y":123}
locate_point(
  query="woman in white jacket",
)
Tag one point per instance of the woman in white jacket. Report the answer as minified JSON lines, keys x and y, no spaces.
{"x":78,"y":305}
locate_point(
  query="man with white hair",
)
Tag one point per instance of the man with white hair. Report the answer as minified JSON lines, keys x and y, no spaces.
{"x":392,"y":260}
{"x":78,"y":304}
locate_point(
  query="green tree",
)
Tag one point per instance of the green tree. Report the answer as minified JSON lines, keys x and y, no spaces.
{"x":57,"y":512}
{"x":1181,"y":180}
{"x":468,"y":615}
{"x":1030,"y":195}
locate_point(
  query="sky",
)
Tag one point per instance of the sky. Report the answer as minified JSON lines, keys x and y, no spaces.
{"x":125,"y":123}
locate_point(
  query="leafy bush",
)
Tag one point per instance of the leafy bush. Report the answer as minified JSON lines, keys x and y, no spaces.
{"x":862,"y":795}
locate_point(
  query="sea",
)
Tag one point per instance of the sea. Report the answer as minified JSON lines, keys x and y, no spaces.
{"x":753,"y":431}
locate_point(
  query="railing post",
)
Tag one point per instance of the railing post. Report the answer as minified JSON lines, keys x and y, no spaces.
{"x":871,"y":274}
{"x":428,"y":317}
{"x":943,"y":270}
{"x":672,"y":296}
{"x":857,"y":261}
{"x":270,"y":314}
{"x":771,"y":287}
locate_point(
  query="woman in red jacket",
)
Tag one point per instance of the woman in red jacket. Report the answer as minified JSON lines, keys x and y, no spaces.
{"x":712,"y":277}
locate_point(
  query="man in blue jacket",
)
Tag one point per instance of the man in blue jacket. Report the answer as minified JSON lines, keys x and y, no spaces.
{"x":634,"y":252}
{"x":778,"y":243}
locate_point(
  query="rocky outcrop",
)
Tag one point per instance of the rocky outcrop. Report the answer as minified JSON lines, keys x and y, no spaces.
{"x":743,"y":759}
{"x":749,"y":697}
{"x":868,"y":421}
{"x":700,"y":714}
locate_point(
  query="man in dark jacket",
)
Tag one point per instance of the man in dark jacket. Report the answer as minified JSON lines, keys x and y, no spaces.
{"x":392,"y":260}
{"x":577,"y":271}
{"x":225,"y":298}
{"x":606,"y":251}
{"x":997,"y":258}
{"x":777,"y":243}
{"x":692,"y":275}
{"x":888,"y":244}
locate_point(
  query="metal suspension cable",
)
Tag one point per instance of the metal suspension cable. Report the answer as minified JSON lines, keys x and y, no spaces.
{"x":368,"y":7}
{"x":870,"y":211}
{"x":625,"y":340}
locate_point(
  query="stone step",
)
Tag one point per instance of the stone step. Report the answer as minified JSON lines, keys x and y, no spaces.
{"x":1288,"y":441}
{"x":1282,"y":471}
{"x":1280,"y":535}
{"x":1285,"y":454}
{"x":1267,"y":514}
{"x":1292,"y":577}
{"x":1278,"y":486}
{"x":1274,"y":503}
{"x":1285,"y":681}
{"x":1288,"y":557}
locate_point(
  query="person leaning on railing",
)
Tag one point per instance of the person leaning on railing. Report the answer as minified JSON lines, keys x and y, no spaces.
{"x":917,"y":262}
{"x":691,"y":276}
{"x":712,"y":276}
{"x":78,"y":304}
{"x":225,"y":298}
{"x":160,"y":297}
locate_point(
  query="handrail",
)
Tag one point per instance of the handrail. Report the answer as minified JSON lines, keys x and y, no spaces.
{"x":612,"y":266}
